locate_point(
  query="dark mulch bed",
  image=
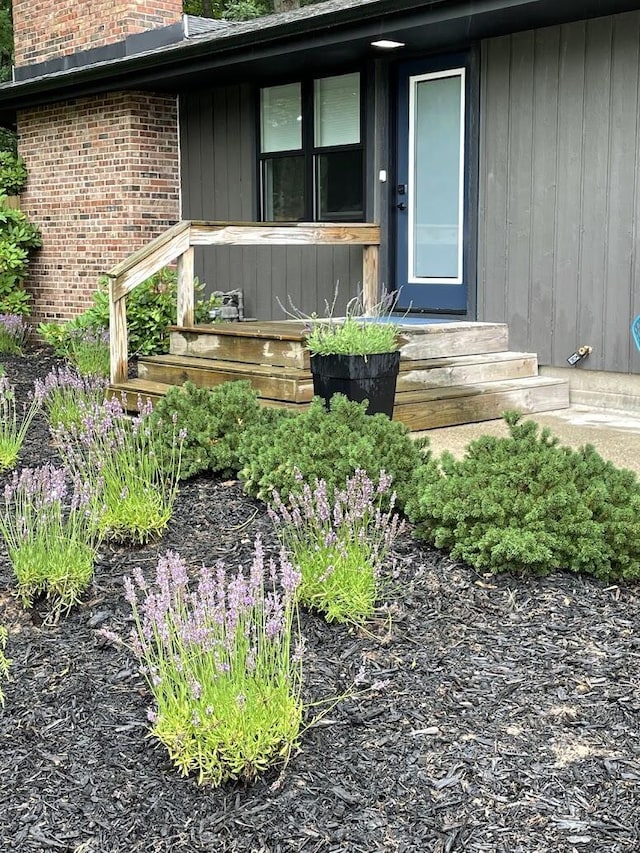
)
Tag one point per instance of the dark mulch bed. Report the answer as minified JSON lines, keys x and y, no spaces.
{"x":510,"y":722}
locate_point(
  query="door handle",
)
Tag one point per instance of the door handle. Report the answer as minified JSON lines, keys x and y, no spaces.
{"x":401,"y":206}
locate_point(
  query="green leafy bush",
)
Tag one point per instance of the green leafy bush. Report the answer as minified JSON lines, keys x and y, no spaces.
{"x":151,"y":309}
{"x":327,"y":445}
{"x":17,"y":238}
{"x":214,"y":419}
{"x":13,"y":173}
{"x":525,"y":504}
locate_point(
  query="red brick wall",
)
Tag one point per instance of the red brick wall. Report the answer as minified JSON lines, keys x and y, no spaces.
{"x":103,"y":180}
{"x":45,"y":29}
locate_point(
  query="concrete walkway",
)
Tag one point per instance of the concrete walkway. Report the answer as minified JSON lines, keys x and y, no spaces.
{"x":615,"y":435}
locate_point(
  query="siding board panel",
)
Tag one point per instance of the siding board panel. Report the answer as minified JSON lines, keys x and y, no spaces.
{"x":569,"y":196}
{"x":545,"y":143}
{"x":622,"y":187}
{"x":595,"y":167}
{"x":520,"y":156}
{"x":575,"y":179}
{"x":494,"y":169}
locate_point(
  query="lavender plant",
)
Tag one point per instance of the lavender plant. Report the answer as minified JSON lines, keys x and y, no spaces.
{"x":52,"y":548}
{"x":218,"y":658}
{"x":14,"y":423}
{"x":13,"y":333}
{"x":135,"y":477}
{"x":340,"y":547}
{"x":5,"y":662}
{"x":66,"y":394}
{"x":89,"y":351}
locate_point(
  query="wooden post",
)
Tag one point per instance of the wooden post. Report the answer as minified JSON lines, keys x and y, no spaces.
{"x":185,"y":312}
{"x":370,"y":288}
{"x":118,"y":341}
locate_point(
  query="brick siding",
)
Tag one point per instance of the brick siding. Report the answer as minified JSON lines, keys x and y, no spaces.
{"x":45,"y":29}
{"x":103,"y":180}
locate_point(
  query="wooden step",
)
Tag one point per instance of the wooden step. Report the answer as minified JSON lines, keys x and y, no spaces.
{"x":274,"y":383}
{"x":439,"y":407}
{"x":282,"y":344}
{"x":444,"y":340}
{"x":277,"y":344}
{"x":425,"y":408}
{"x":466,"y":370}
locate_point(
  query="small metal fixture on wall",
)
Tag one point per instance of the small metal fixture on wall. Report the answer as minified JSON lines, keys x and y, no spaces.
{"x":231,"y":305}
{"x":579,"y":354}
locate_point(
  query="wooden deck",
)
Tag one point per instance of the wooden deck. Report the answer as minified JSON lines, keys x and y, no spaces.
{"x":450,"y":373}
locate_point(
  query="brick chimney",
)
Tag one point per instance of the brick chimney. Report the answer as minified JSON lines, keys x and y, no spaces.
{"x":46,"y":29}
{"x":103,"y":171}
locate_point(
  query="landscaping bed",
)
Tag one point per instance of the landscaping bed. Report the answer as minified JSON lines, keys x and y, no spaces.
{"x":507,"y":718}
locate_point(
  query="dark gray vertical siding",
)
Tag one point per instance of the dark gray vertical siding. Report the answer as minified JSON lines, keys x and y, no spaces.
{"x":559,"y":193}
{"x":218,"y":174}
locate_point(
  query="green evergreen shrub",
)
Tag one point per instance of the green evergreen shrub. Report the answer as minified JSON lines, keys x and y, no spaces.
{"x":328,"y":445}
{"x":214,"y":420}
{"x":525,"y":504}
{"x":151,"y":309}
{"x":17,"y":238}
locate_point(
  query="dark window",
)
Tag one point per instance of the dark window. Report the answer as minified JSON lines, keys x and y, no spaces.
{"x":311,"y":151}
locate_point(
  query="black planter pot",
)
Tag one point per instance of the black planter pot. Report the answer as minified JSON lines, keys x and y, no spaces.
{"x":358,"y":377}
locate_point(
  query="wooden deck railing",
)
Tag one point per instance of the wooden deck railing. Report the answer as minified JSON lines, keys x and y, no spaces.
{"x":176,"y":245}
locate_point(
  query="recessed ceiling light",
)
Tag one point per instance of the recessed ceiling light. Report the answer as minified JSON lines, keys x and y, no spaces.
{"x":387,"y":44}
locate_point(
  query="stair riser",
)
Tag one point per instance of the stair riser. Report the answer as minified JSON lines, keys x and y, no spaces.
{"x":444,"y":342}
{"x":290,"y":354}
{"x":270,"y":387}
{"x":466,"y":374}
{"x":480,"y":407}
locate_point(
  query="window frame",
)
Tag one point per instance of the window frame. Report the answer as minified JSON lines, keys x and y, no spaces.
{"x":308,"y":149}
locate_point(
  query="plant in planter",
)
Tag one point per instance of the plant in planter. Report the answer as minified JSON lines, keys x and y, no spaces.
{"x":356,"y":355}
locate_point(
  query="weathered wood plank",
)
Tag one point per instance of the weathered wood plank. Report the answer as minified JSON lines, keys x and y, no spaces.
{"x":177,"y":230}
{"x":185,"y":294}
{"x":448,"y":341}
{"x":279,"y":234}
{"x":151,"y":263}
{"x":475,"y":407}
{"x":118,"y":339}
{"x":465,"y":372}
{"x":266,"y":382}
{"x":370,"y":277}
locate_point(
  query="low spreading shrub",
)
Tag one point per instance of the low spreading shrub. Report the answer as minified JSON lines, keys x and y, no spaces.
{"x":13,"y":333}
{"x":5,"y":662}
{"x":214,"y":421}
{"x":51,"y":547}
{"x":151,"y":309}
{"x":525,"y":504}
{"x":122,"y":462}
{"x":329,"y":445}
{"x":223,"y":662}
{"x":339,"y":546}
{"x":15,"y":421}
{"x":65,"y":395}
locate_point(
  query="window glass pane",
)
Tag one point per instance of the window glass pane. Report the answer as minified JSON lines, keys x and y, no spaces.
{"x":281,"y":118}
{"x":437,"y":147}
{"x":337,"y":110}
{"x":283,"y":188}
{"x":340,"y":186}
